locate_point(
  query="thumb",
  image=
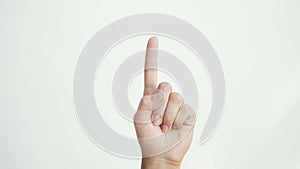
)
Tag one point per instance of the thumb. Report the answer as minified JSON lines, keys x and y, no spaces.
{"x":147,"y":104}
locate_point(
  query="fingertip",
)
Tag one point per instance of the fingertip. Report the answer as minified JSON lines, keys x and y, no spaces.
{"x":152,"y":42}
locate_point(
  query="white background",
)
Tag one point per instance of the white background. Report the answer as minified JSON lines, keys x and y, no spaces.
{"x":257,"y":43}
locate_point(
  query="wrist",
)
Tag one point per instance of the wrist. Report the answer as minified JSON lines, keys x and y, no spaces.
{"x":159,"y":163}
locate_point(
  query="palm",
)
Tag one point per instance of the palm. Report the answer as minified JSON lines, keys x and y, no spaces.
{"x":174,"y":154}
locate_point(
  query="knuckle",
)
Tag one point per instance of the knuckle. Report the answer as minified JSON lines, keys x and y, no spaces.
{"x":176,"y":97}
{"x":186,"y":109}
{"x":189,"y":113}
{"x":165,"y":86}
{"x":160,"y":96}
{"x":189,"y":108}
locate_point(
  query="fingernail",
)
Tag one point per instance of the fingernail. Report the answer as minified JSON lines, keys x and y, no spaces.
{"x":165,"y":128}
{"x":156,"y":120}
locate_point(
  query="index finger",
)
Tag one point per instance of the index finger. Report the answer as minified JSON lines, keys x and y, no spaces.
{"x":150,"y":70}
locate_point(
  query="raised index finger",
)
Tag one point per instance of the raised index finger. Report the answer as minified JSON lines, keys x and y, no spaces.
{"x":150,"y":70}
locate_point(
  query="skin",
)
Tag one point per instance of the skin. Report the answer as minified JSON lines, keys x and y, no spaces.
{"x":164,"y":123}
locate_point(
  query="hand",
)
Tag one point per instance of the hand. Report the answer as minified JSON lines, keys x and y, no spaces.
{"x":163,"y":122}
